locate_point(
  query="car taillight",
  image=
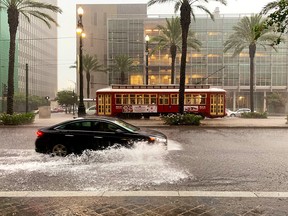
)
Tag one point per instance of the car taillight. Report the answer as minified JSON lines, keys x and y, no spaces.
{"x":39,"y":133}
{"x":152,"y":139}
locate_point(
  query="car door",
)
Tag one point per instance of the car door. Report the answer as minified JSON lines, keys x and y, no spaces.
{"x":77,"y":136}
{"x":108,"y":134}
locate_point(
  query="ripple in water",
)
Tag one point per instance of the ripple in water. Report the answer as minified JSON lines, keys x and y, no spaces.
{"x":112,"y":169}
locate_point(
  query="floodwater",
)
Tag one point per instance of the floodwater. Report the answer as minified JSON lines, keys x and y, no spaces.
{"x":112,"y":169}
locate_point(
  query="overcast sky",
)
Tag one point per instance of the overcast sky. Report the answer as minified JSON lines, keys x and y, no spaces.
{"x":67,"y":22}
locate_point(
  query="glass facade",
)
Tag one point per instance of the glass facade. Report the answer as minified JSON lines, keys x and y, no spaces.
{"x":36,"y":45}
{"x":126,"y":35}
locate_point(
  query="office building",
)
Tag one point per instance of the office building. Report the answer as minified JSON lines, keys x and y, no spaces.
{"x":126,"y":35}
{"x":36,"y":52}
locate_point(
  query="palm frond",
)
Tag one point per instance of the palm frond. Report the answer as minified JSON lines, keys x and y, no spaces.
{"x":248,"y":31}
{"x":47,"y":19}
{"x":152,"y":2}
{"x":270,"y":6}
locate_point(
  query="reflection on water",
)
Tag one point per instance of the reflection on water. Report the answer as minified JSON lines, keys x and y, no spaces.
{"x":112,"y":169}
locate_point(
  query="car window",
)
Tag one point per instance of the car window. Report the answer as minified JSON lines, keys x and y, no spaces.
{"x":85,"y":125}
{"x":106,"y":127}
{"x":126,"y":125}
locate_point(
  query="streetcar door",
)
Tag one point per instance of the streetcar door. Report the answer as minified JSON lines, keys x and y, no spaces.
{"x":104,"y":104}
{"x":163,"y":103}
{"x":217,"y":104}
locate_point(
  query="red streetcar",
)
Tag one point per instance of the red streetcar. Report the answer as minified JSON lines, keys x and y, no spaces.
{"x":135,"y":101}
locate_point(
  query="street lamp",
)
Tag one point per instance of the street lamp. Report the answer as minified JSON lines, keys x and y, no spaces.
{"x":73,"y":96}
{"x":80,"y":32}
{"x":146,"y":54}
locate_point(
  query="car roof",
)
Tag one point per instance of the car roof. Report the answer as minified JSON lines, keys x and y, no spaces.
{"x":102,"y":118}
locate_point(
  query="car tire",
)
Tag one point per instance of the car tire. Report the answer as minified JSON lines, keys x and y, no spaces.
{"x":59,"y":150}
{"x":233,"y":115}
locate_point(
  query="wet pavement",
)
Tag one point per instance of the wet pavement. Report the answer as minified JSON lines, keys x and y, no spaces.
{"x":230,"y":122}
{"x":154,"y":203}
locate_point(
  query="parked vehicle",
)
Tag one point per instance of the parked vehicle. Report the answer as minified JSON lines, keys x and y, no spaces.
{"x":228,"y":112}
{"x":239,"y":112}
{"x":91,"y":110}
{"x":95,"y":133}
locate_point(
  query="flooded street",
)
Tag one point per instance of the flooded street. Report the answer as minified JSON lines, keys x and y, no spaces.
{"x":113,"y":169}
{"x":195,"y":159}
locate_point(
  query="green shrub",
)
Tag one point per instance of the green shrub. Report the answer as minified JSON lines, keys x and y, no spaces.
{"x":182,"y":119}
{"x":256,"y":115}
{"x":17,"y":119}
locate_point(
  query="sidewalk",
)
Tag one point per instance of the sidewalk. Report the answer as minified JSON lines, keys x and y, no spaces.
{"x":230,"y":122}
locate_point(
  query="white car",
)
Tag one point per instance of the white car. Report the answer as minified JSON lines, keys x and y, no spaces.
{"x":239,"y":112}
{"x":91,"y":110}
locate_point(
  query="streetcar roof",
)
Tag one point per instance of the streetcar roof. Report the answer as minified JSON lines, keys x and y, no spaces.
{"x":110,"y":89}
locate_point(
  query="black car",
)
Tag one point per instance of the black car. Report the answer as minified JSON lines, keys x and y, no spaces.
{"x":95,"y":133}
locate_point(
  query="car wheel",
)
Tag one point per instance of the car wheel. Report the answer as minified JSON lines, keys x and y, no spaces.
{"x":233,"y":115}
{"x":59,"y":150}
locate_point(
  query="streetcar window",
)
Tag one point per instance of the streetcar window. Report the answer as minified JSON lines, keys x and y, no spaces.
{"x":132,"y":99}
{"x":163,"y":99}
{"x":146,"y":99}
{"x":174,"y":99}
{"x":118,"y":99}
{"x":203,"y":99}
{"x":188,"y":99}
{"x":125,"y":99}
{"x":139,"y":99}
{"x":198,"y":99}
{"x":153,"y":99}
{"x":100,"y":108}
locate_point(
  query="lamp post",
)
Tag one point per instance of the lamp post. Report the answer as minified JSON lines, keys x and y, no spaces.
{"x":80,"y":31}
{"x":147,"y":54}
{"x":73,"y":96}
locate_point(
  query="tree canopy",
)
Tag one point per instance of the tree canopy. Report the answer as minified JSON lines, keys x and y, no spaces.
{"x":66,"y":98}
{"x":277,"y":16}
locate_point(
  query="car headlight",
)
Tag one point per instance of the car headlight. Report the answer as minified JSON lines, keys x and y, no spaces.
{"x":158,"y":140}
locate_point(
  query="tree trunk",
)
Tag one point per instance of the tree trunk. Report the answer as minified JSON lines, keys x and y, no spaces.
{"x":185,"y":20}
{"x":88,"y":83}
{"x":252,"y":51}
{"x":13,"y":21}
{"x":173,"y":51}
{"x":122,"y":77}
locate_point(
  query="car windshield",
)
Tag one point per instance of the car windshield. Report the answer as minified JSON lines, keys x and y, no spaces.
{"x":126,"y":125}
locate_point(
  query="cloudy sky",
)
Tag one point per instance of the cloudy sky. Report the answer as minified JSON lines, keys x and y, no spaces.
{"x":67,"y":21}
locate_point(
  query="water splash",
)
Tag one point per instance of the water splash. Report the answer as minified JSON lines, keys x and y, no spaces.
{"x":111,"y":169}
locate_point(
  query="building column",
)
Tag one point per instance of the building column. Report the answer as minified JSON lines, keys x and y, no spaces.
{"x":234,"y":100}
{"x":264,"y":101}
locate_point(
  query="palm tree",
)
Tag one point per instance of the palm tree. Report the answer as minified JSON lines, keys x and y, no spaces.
{"x":170,"y":37}
{"x":91,"y":64}
{"x":123,"y":64}
{"x":277,"y":16}
{"x":186,"y":11}
{"x":250,"y":32}
{"x":27,"y":8}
